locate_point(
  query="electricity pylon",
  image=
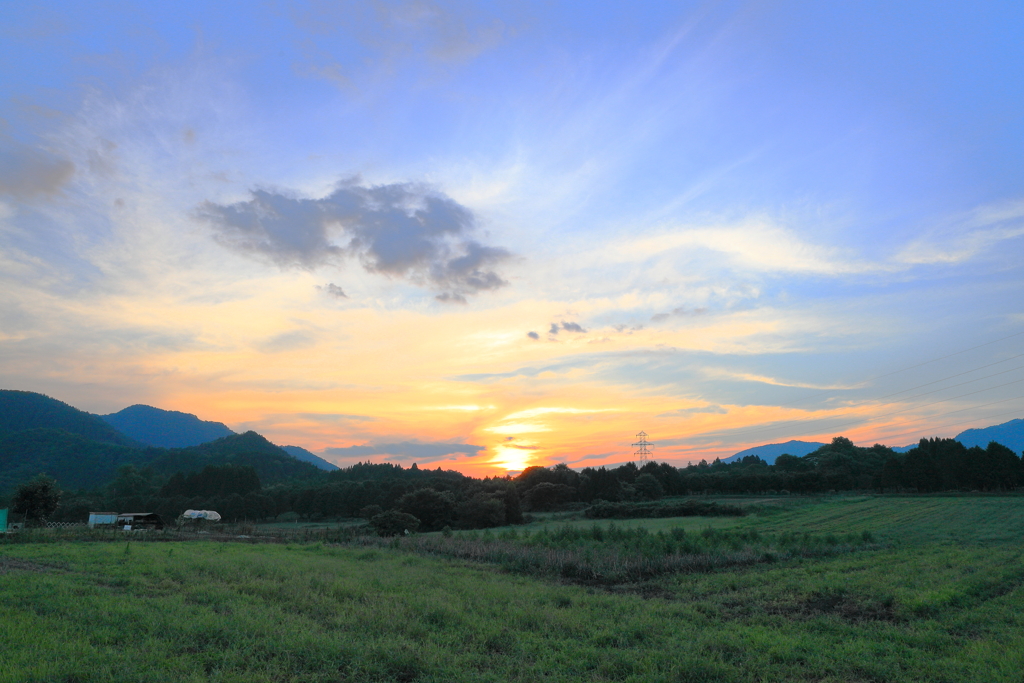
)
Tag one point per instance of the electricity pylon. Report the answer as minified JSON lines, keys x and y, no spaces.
{"x":643,"y":451}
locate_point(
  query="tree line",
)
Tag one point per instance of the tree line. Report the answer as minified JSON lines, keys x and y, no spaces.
{"x":435,"y":499}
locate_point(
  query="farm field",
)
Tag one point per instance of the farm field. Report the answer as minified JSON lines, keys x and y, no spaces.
{"x":934,"y":596}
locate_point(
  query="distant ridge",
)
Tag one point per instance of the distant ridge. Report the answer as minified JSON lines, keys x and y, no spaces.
{"x":770,"y":451}
{"x":24,"y":410}
{"x":39,"y":434}
{"x":272,"y":463}
{"x":165,"y":428}
{"x":1009,"y":434}
{"x":302,"y":454}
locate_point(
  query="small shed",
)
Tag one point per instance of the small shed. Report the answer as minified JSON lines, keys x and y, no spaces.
{"x":102,"y":519}
{"x":15,"y":521}
{"x":133,"y":521}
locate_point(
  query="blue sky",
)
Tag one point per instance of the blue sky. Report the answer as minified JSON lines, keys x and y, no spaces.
{"x":337,"y":223}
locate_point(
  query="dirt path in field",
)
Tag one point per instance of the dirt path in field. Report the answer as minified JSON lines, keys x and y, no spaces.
{"x":9,"y":564}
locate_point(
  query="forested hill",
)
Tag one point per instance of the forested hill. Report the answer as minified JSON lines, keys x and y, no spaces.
{"x":769,"y":452}
{"x":80,"y":463}
{"x":165,"y":428}
{"x":73,"y":460}
{"x":306,"y":456}
{"x":41,"y":435}
{"x":272,"y":463}
{"x":1010,"y":434}
{"x":22,"y":410}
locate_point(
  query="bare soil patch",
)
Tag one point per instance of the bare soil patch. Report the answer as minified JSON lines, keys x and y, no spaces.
{"x":9,"y":564}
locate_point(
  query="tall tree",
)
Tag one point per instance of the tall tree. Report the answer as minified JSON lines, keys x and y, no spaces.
{"x":37,"y":499}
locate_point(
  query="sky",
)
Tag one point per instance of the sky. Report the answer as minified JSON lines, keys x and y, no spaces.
{"x":484,"y":236}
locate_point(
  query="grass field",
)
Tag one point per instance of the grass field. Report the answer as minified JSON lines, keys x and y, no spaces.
{"x":939,"y":599}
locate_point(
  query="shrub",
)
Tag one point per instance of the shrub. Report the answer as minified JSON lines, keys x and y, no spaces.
{"x":481,"y":511}
{"x":548,"y":496}
{"x":394,"y":523}
{"x":370,"y":511}
{"x":688,"y":508}
{"x":433,"y":509}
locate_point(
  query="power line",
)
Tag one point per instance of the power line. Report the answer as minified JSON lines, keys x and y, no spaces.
{"x":954,"y":424}
{"x":951,"y":412}
{"x":865,"y":419}
{"x":967,"y":372}
{"x":953,"y":398}
{"x":805,"y":423}
{"x":933,"y":360}
{"x":796,"y":422}
{"x":955,"y":353}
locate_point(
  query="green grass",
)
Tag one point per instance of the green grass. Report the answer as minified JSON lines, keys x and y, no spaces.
{"x":967,"y":520}
{"x":919,"y":519}
{"x":608,"y":554}
{"x":941,"y":601}
{"x":651,"y":524}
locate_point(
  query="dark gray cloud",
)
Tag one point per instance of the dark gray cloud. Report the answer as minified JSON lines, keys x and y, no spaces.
{"x":451,"y":298}
{"x":333,"y":290}
{"x":680,"y":312}
{"x":401,"y":230}
{"x":533,"y":335}
{"x":405,"y":450}
{"x":568,"y":327}
{"x":26,"y":172}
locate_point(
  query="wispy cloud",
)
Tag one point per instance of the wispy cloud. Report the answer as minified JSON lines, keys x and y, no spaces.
{"x":756,"y":243}
{"x":287,"y":341}
{"x":721,"y":373}
{"x":404,"y":451}
{"x":966,"y":237}
{"x":28,"y":172}
{"x":471,"y":408}
{"x":678,"y":312}
{"x":548,"y":410}
{"x":381,"y":38}
{"x":696,"y":410}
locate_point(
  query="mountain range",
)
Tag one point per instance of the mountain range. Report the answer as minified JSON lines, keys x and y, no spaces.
{"x":39,"y":434}
{"x":173,"y":429}
{"x":165,"y":428}
{"x":302,"y":454}
{"x":25,"y":410}
{"x":82,"y":450}
{"x":769,"y":452}
{"x":1009,"y":434}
